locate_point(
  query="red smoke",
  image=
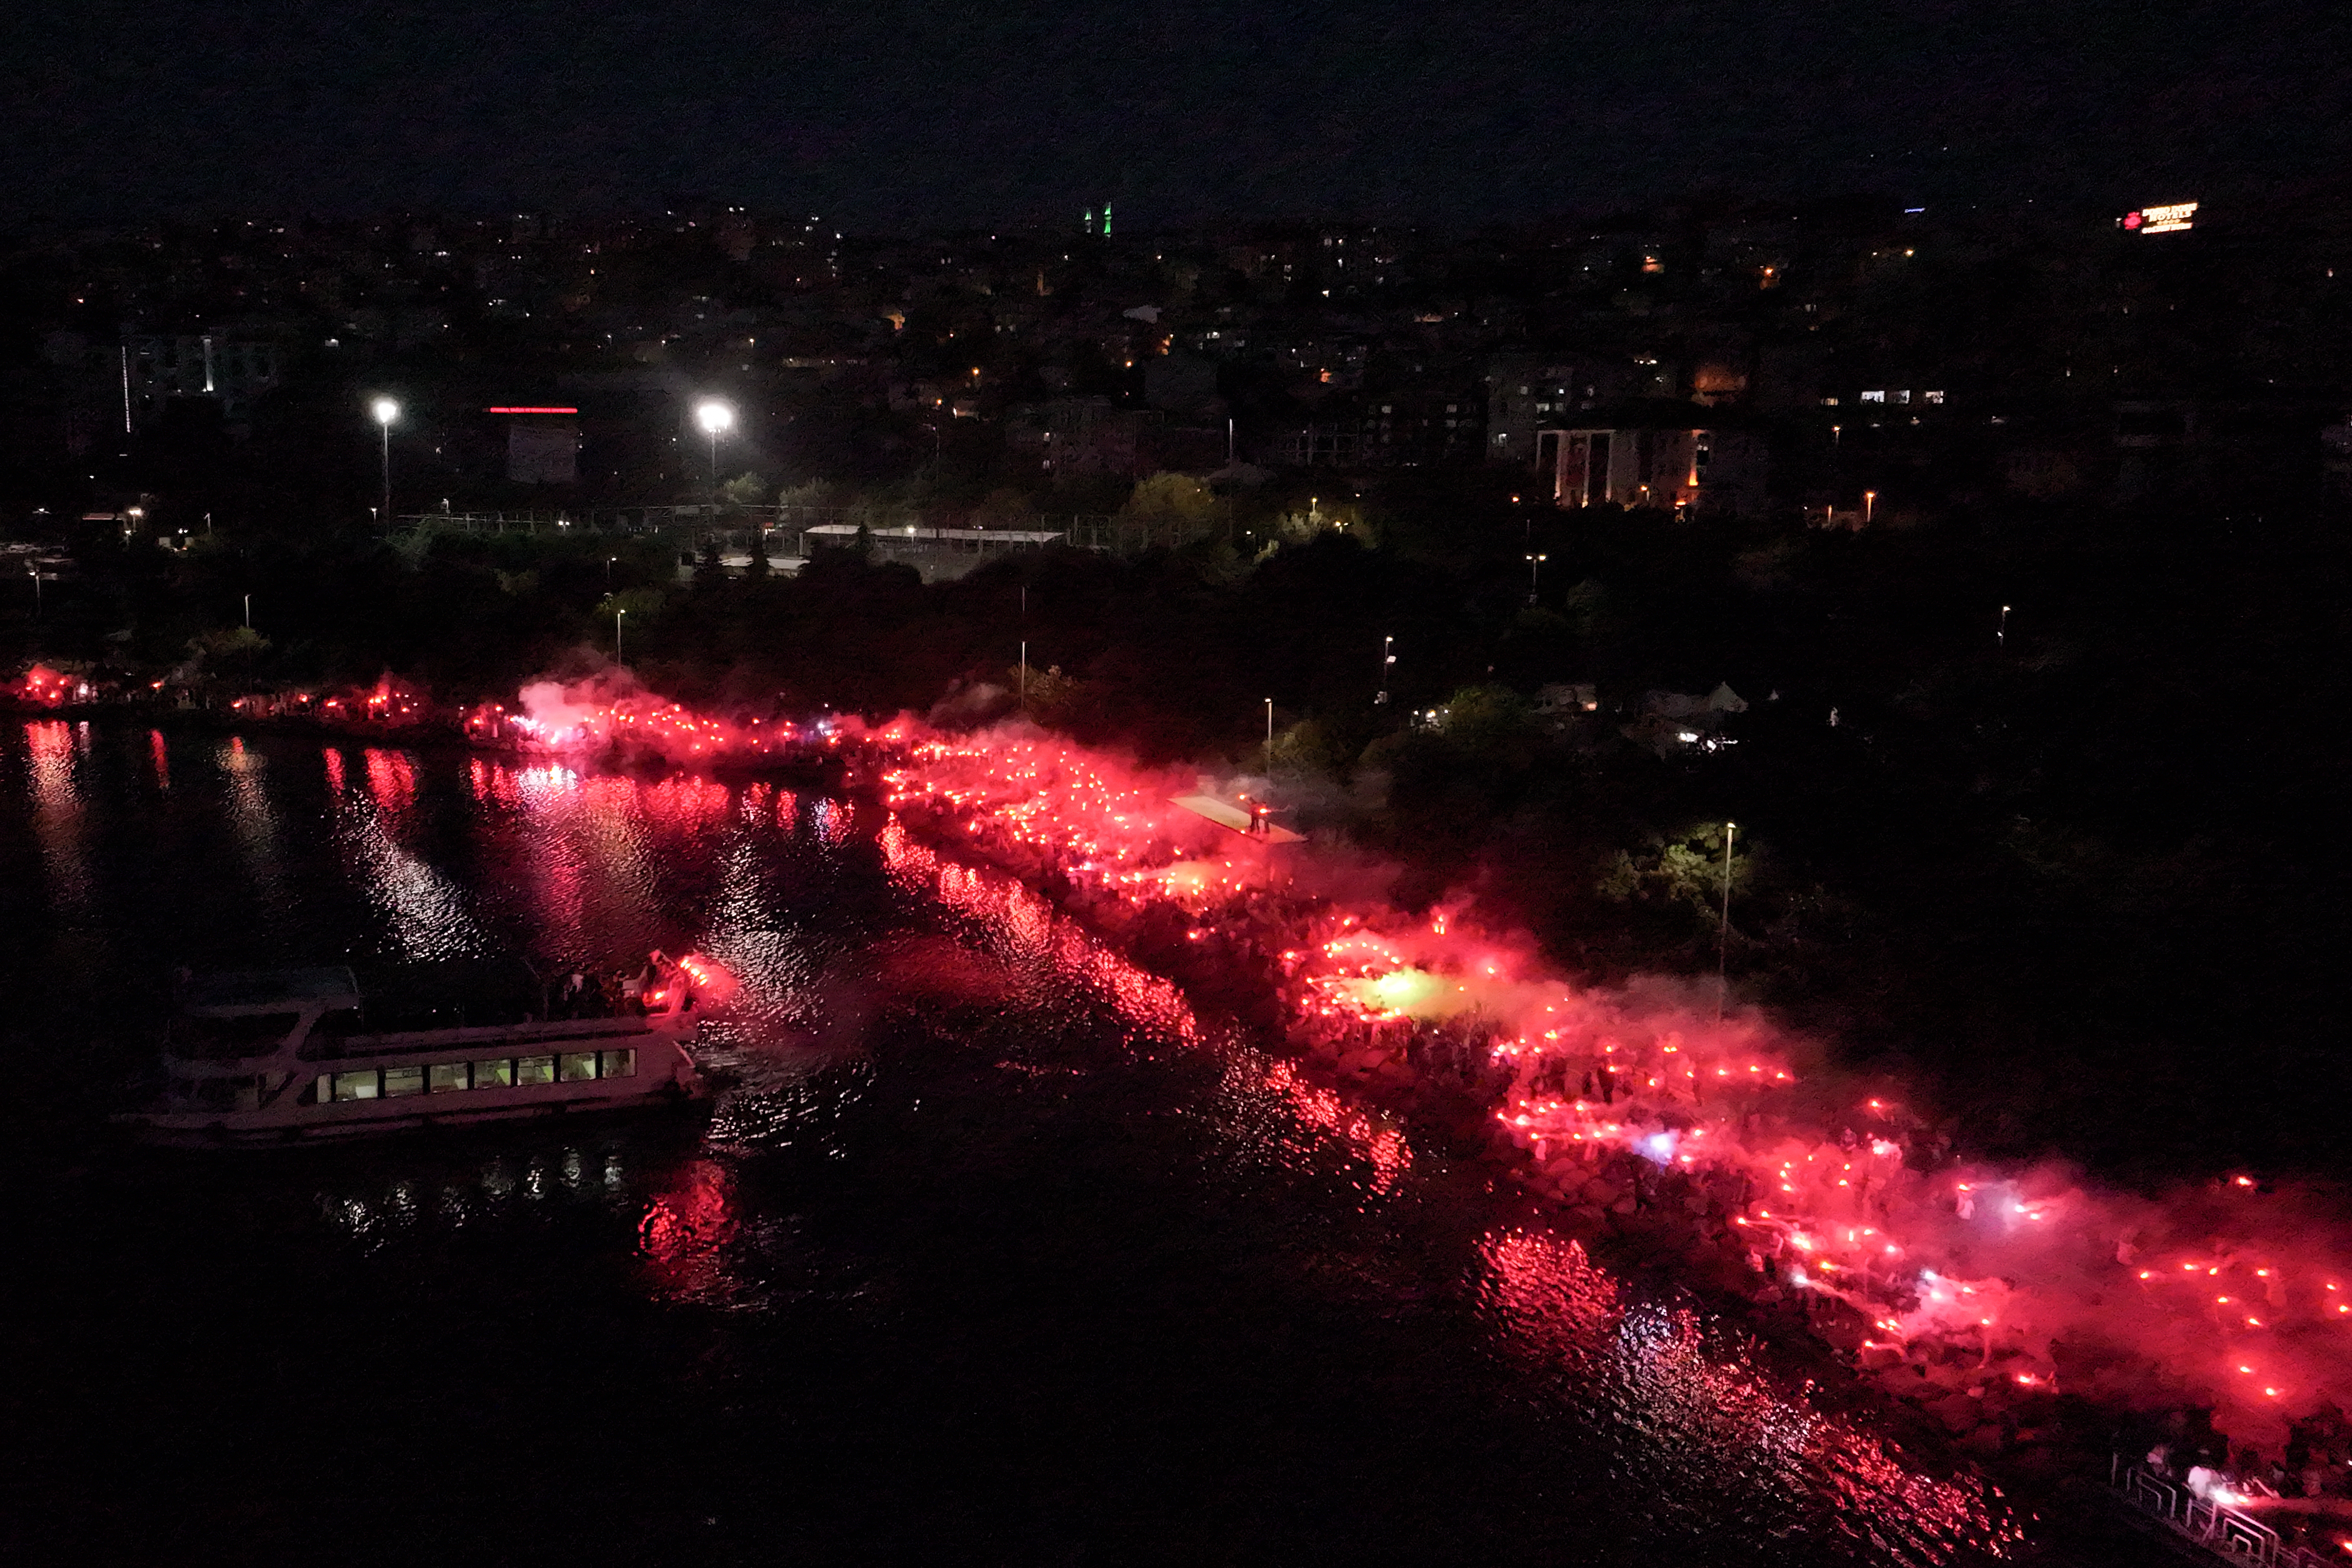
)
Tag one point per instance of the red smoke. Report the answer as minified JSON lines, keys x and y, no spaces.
{"x":1947,"y":1278}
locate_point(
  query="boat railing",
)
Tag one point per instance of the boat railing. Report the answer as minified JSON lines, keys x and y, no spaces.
{"x":2217,"y":1528}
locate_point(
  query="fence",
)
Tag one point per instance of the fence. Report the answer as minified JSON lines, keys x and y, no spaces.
{"x":1109,"y":535}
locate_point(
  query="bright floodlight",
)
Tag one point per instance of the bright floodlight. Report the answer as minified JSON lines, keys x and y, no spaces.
{"x":713,"y":417}
{"x":385,"y":410}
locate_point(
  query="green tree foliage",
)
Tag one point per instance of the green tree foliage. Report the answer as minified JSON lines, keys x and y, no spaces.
{"x":1171,"y":501}
{"x":1682,"y":872}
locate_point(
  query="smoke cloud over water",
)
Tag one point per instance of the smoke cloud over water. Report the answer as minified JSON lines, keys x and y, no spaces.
{"x":1980,"y":1291}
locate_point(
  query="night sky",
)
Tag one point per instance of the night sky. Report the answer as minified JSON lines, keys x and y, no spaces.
{"x":888,"y":116}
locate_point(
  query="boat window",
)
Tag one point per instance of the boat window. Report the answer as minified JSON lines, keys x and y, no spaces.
{"x":402,"y":1080}
{"x":493,"y":1075}
{"x":360,"y":1085}
{"x":442,"y":1078}
{"x":620,"y":1064}
{"x":247,"y":1034}
{"x":575,"y":1066}
{"x":534,"y":1069}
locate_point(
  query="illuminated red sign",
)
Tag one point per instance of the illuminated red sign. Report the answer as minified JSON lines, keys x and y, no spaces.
{"x":530,"y":411}
{"x":2174,"y":217}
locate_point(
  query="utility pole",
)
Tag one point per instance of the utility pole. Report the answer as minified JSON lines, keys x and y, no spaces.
{"x":386,"y":411}
{"x":1025,"y":663}
{"x":248,"y":612}
{"x":1723,"y":931}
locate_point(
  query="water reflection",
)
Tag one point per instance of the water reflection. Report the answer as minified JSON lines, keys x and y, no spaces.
{"x":253,"y":817}
{"x":60,"y":817}
{"x":424,"y":911}
{"x":938,"y":1091}
{"x":1710,"y":1417}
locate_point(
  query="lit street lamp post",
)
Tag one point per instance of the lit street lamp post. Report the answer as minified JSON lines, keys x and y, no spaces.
{"x":1269,"y":737}
{"x":1387,"y":662}
{"x":608,"y":571}
{"x":2001,"y":632}
{"x":386,"y":411}
{"x":716,"y":418}
{"x":620,"y":618}
{"x":1535,"y":565}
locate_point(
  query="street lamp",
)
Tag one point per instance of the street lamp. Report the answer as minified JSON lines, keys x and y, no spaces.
{"x":1387,"y":662}
{"x":620,"y":618}
{"x":2001,"y":632}
{"x":716,"y":418}
{"x":608,"y":571}
{"x":1535,"y":565}
{"x":1869,"y":503}
{"x":386,"y":411}
{"x":1269,"y":737}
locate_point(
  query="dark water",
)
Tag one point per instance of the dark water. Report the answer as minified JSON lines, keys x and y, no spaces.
{"x":990,"y":1252}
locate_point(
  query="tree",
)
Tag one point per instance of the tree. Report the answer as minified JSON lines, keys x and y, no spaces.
{"x":709,"y":568}
{"x":1178,"y":504}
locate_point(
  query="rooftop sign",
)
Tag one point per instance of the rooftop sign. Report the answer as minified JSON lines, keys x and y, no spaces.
{"x":2174,"y":217}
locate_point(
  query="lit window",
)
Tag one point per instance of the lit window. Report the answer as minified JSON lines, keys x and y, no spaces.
{"x":445,"y":1077}
{"x":1875,"y":396}
{"x":618,"y":1063}
{"x":576,"y":1067}
{"x":493,"y":1075}
{"x":402,"y":1080}
{"x":360,"y":1085}
{"x":1931,"y":398}
{"x":1829,"y":403}
{"x":1902,"y":396}
{"x":534,"y":1069}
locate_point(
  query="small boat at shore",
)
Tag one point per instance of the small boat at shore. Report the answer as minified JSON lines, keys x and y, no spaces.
{"x":299,"y":1056}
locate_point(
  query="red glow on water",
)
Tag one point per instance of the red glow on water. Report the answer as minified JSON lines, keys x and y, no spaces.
{"x":390,"y":778}
{"x":689,"y":1234}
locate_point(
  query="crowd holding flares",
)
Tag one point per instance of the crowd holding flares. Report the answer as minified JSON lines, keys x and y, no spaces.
{"x":1981,"y":1292}
{"x":611,"y":715}
{"x":41,"y":687}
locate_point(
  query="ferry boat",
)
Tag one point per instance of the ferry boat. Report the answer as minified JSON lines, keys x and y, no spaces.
{"x":295,"y":1055}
